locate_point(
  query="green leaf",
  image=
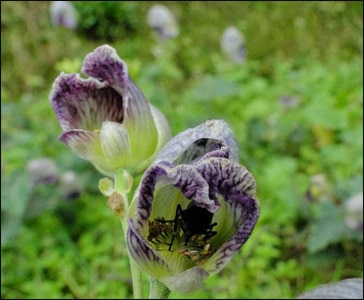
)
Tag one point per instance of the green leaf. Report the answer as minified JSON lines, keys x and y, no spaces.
{"x":328,"y":228}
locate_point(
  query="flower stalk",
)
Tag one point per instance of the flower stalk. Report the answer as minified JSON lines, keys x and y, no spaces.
{"x":122,"y":186}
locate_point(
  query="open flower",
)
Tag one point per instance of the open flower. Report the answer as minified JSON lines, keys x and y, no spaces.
{"x":194,"y":209}
{"x":106,"y":119}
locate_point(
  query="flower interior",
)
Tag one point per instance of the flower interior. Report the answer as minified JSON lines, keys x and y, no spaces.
{"x":183,"y":229}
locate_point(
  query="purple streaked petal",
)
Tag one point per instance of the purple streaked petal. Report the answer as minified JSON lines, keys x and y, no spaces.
{"x":213,"y":137}
{"x":227,"y":177}
{"x":84,"y":103}
{"x":237,"y":186}
{"x":248,"y":209}
{"x":105,"y":65}
{"x":139,"y":248}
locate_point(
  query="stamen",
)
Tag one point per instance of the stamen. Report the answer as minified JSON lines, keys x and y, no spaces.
{"x":177,"y":235}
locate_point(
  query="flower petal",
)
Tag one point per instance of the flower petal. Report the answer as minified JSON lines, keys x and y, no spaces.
{"x":145,"y":255}
{"x":140,"y":123}
{"x":104,"y":64}
{"x":186,"y":281}
{"x":84,"y":104}
{"x":164,"y":132}
{"x":150,"y":262}
{"x":213,"y":136}
{"x":237,"y":186}
{"x":115,"y":143}
{"x":184,"y":178}
{"x":86,"y":144}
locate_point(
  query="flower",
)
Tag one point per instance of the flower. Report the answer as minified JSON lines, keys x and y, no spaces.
{"x":106,"y":119}
{"x":163,"y":22}
{"x":70,"y":185}
{"x":42,"y":170}
{"x":232,"y":44}
{"x":194,"y":208}
{"x":63,"y":13}
{"x":353,"y":211}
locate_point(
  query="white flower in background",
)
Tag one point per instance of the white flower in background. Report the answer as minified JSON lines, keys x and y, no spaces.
{"x":42,"y":171}
{"x":232,"y":44}
{"x":319,"y":189}
{"x":354,"y":211}
{"x":63,"y":13}
{"x":70,"y":185}
{"x":163,"y":22}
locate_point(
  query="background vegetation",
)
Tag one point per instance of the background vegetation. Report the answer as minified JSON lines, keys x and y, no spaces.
{"x":295,"y":107}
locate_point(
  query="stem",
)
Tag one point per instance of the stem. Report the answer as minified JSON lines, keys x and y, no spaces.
{"x":122,"y":186}
{"x":134,"y":268}
{"x":157,"y":289}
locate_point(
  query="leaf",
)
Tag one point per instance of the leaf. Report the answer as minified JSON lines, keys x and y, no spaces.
{"x":327,"y":229}
{"x":14,"y":200}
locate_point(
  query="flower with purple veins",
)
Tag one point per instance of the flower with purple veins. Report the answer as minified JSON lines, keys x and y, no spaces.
{"x":194,"y":208}
{"x":106,"y":119}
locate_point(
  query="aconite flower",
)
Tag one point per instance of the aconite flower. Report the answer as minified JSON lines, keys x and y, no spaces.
{"x":106,"y":119}
{"x":194,"y":209}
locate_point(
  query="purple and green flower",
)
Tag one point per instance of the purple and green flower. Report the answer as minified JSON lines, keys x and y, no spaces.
{"x":106,"y":119}
{"x":194,"y":209}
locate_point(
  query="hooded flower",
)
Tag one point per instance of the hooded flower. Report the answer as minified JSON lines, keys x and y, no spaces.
{"x":194,"y":209}
{"x":106,"y":119}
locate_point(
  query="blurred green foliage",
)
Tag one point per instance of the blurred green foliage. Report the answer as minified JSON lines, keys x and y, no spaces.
{"x":296,"y":107}
{"x":106,"y":20}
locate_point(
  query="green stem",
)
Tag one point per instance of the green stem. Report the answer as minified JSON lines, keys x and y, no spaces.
{"x":121,"y":185}
{"x":134,"y":268}
{"x":157,"y":289}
